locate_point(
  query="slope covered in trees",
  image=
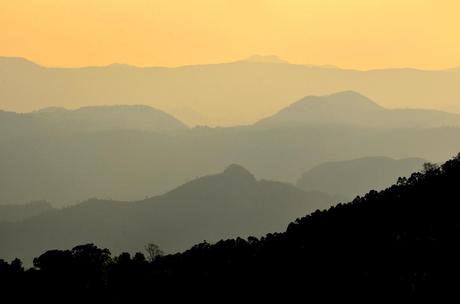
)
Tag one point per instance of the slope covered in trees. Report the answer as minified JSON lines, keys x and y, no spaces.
{"x":397,"y":244}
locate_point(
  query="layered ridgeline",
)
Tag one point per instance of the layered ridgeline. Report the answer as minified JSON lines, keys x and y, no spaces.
{"x":400,"y":244}
{"x":218,"y":94}
{"x":65,"y":165}
{"x":210,"y":208}
{"x":356,"y":177}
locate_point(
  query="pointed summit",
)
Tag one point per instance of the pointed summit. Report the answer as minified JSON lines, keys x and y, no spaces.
{"x":232,"y":180}
{"x":264,"y":59}
{"x":237,"y":171}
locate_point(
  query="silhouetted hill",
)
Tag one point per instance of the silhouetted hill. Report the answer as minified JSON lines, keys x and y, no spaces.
{"x":54,"y":120}
{"x":356,"y":177}
{"x":12,"y":64}
{"x":209,"y":208}
{"x":393,"y":245}
{"x":13,"y":213}
{"x":396,"y":245}
{"x":351,"y":108}
{"x":133,"y":117}
{"x":224,"y":94}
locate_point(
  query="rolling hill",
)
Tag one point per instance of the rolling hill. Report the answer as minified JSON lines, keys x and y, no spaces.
{"x":209,"y":208}
{"x":52,"y":121}
{"x":352,"y":108}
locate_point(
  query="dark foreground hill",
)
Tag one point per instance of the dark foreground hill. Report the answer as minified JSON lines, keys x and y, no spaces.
{"x":226,"y":205}
{"x":400,"y":244}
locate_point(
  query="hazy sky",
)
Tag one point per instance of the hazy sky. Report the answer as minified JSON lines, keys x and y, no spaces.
{"x":359,"y":34}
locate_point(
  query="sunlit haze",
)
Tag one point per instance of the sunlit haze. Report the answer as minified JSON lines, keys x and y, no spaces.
{"x":358,"y":34}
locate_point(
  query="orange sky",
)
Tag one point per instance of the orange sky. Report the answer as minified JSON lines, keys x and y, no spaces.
{"x":360,"y":34}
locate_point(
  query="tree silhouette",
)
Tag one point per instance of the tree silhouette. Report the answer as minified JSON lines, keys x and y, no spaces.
{"x":153,"y":251}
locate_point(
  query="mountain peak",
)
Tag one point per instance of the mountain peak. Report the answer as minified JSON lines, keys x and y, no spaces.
{"x":347,"y":107}
{"x":348,"y":94}
{"x":14,"y":62}
{"x":346,"y":98}
{"x":237,"y":171}
{"x":264,"y":59}
{"x":341,"y":102}
{"x":58,"y":110}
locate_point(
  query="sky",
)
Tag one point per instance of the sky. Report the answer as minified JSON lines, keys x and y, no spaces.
{"x":358,"y":34}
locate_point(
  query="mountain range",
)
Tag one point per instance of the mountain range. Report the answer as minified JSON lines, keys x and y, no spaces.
{"x":221,"y":94}
{"x":212,"y":207}
{"x":105,"y":176}
{"x":66,"y":157}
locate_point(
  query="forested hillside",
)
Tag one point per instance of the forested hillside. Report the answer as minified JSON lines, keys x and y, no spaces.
{"x":397,"y":244}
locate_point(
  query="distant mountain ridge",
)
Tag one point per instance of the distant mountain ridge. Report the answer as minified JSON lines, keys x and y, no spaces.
{"x":222,"y":93}
{"x":352,"y":108}
{"x":212,"y":207}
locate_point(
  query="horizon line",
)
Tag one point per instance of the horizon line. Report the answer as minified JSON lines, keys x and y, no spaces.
{"x":246,"y":59}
